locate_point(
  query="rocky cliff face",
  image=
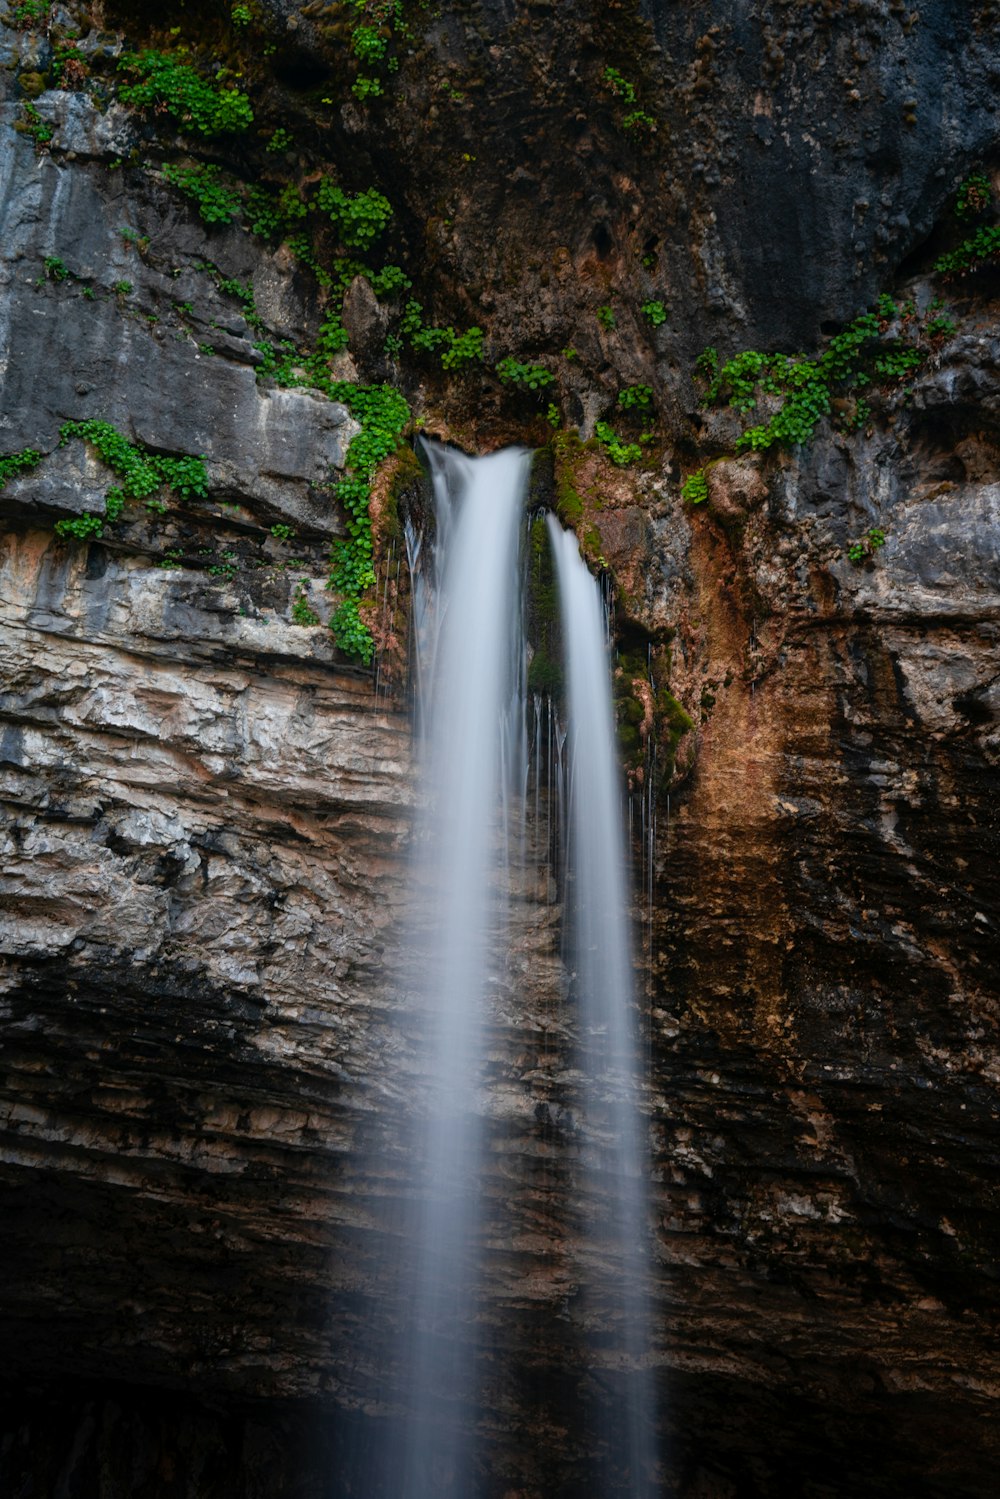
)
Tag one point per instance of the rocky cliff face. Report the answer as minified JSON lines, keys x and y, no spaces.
{"x":207,"y":1062}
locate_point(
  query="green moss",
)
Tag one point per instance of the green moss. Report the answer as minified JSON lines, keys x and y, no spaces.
{"x":407,"y":474}
{"x":568,"y":451}
{"x":545,"y":675}
{"x":545,"y":672}
{"x":674,"y":715}
{"x":31,"y":84}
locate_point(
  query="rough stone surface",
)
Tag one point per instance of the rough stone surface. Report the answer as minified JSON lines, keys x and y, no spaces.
{"x":207,"y":1057}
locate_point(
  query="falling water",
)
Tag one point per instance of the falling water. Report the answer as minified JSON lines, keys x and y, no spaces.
{"x":471,"y":681}
{"x":482,"y":787}
{"x":599,"y":953}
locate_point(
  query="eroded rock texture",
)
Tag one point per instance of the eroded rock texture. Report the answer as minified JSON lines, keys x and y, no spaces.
{"x":207,"y":1058}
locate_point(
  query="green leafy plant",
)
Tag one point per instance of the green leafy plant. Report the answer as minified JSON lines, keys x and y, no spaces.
{"x":655,"y":312}
{"x":620,"y":86}
{"x":28,"y":14}
{"x":358,"y":217}
{"x":531,"y":376}
{"x":867,"y":545}
{"x":383,"y":413}
{"x":377,"y":24}
{"x":706,"y":367}
{"x":606,"y":317}
{"x":70,"y":67}
{"x":462,"y":348}
{"x":366,"y":88}
{"x":369,"y":44}
{"x":635,"y":120}
{"x":241,"y":15}
{"x":34,"y":125}
{"x":217,"y":202}
{"x":695,"y":487}
{"x":283,"y":532}
{"x":453,"y":349}
{"x":981,"y":248}
{"x":163,"y":80}
{"x":619,"y":451}
{"x":974,"y":196}
{"x":941,"y":326}
{"x":897,"y":363}
{"x":804,"y":386}
{"x":390,"y":281}
{"x":16,"y":464}
{"x":281,"y":140}
{"x":142,"y":474}
{"x":81,"y":527}
{"x":122,"y":288}
{"x":302,"y":614}
{"x":634,"y":396}
{"x":227,"y":566}
{"x":55,"y":269}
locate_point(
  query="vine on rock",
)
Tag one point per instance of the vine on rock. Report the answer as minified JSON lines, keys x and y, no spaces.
{"x":141,"y":471}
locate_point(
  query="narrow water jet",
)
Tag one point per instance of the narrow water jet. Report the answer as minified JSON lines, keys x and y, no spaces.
{"x":616,"y":1169}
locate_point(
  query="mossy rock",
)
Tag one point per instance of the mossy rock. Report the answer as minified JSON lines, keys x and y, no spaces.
{"x":541,"y":484}
{"x":545,"y":675}
{"x":408,"y":475}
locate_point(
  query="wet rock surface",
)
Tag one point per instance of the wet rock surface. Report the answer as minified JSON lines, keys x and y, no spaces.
{"x":207,"y":1057}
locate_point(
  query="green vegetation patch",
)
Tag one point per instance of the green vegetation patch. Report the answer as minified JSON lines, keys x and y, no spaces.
{"x":531,"y":376}
{"x":453,"y":349}
{"x":218,"y":202}
{"x":200,"y":106}
{"x":866,"y":546}
{"x":142,"y":474}
{"x":16,"y":464}
{"x":618,"y":450}
{"x":695,"y":487}
{"x":856,"y":358}
{"x":383,"y":413}
{"x":981,"y":248}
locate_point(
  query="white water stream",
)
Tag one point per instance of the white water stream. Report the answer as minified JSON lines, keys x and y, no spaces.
{"x":617,"y":1169}
{"x":470,"y":666}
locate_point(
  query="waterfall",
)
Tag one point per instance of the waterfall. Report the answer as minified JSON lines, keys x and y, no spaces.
{"x":471,"y":846}
{"x":616,"y":1170}
{"x":470,"y":655}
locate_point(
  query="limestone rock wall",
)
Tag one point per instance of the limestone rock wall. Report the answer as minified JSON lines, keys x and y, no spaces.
{"x":207,"y":1058}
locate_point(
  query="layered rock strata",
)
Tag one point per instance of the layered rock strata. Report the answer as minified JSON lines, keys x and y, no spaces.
{"x":207,"y":1054}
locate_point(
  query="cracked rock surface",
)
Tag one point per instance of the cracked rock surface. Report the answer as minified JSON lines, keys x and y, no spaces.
{"x":208,"y":1062}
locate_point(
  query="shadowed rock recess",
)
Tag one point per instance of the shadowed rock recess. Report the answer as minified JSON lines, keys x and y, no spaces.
{"x":207,"y":1060}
